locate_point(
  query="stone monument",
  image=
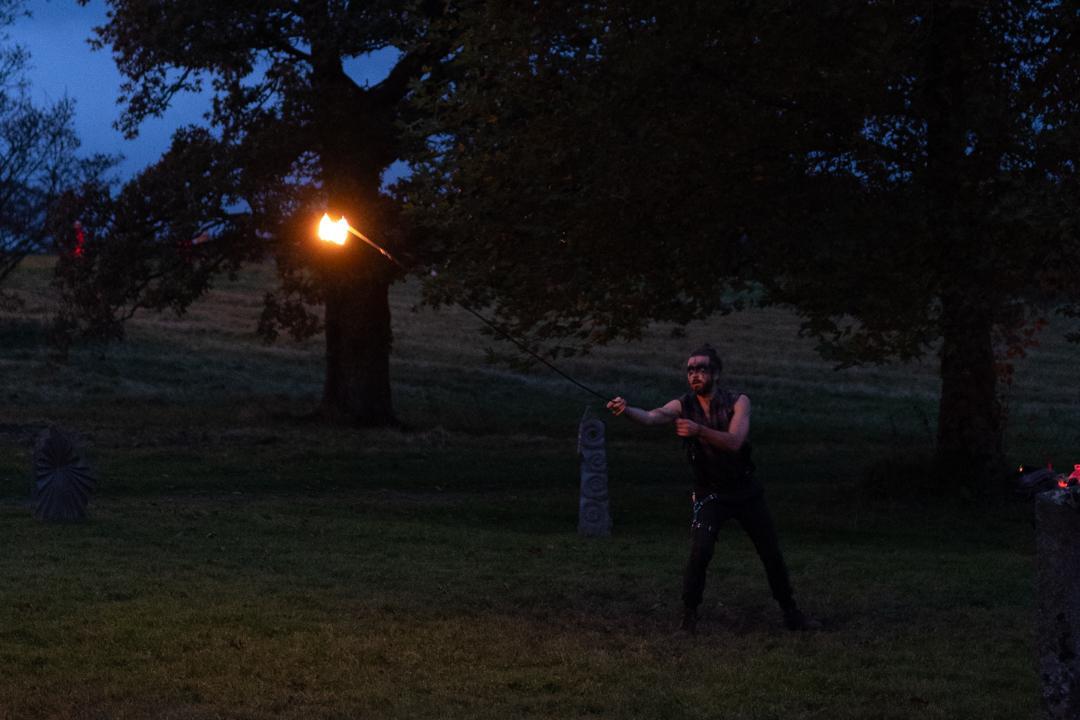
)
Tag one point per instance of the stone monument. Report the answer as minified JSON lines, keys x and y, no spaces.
{"x":594,"y":516}
{"x":1057,"y":527}
{"x":62,"y":479}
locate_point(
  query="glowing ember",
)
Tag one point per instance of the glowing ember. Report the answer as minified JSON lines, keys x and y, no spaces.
{"x":335,"y":232}
{"x":1070,"y":481}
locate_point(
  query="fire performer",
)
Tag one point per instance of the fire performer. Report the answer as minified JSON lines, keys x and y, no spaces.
{"x":714,"y":424}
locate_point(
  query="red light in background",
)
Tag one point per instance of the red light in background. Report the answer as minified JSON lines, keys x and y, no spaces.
{"x":80,"y":239}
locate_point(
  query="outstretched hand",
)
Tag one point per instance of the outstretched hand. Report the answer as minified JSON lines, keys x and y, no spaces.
{"x":687,"y":428}
{"x":617,"y":406}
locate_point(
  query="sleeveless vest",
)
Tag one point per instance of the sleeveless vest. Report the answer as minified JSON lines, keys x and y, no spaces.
{"x":727,"y":474}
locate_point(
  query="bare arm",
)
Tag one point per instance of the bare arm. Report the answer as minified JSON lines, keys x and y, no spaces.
{"x":660,"y":416}
{"x":733,"y":439}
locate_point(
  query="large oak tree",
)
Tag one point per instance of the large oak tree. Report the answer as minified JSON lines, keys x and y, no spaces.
{"x":904,"y":174}
{"x":289,"y":133}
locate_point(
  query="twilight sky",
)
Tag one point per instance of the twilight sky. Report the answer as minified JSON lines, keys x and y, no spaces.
{"x":62,"y":63}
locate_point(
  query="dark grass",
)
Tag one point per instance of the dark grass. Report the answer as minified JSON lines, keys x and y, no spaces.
{"x":245,"y":561}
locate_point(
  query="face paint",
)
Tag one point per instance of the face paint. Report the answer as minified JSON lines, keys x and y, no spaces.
{"x":699,"y":375}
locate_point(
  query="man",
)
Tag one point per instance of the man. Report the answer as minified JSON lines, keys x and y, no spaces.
{"x":714,"y":424}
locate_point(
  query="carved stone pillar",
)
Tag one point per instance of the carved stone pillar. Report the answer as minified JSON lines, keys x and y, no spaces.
{"x":63,"y":481}
{"x":1057,"y":527}
{"x":594,"y":516}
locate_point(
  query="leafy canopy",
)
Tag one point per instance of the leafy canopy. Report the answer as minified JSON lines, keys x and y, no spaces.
{"x":288,"y":132}
{"x":594,"y":167}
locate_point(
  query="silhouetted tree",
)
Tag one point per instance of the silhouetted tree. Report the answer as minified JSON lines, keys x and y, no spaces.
{"x":288,"y":134}
{"x":903,"y":174}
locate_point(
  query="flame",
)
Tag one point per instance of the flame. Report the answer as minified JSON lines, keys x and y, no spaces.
{"x":335,"y":232}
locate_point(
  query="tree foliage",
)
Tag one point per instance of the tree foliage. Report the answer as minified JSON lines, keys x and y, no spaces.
{"x":157,"y":244}
{"x":965,"y":179}
{"x":590,"y":169}
{"x":903,"y":174}
{"x":288,"y":134}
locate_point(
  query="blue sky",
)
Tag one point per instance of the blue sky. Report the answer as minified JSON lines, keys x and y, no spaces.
{"x":62,"y":64}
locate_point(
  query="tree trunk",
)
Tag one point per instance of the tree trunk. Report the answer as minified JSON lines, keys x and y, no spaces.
{"x":969,"y":447}
{"x":358,"y":339}
{"x":356,"y":145}
{"x":969,"y":442}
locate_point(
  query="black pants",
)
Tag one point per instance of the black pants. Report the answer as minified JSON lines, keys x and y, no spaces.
{"x":753,"y":515}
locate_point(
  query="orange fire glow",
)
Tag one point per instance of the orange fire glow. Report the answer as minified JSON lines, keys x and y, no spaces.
{"x":335,"y":232}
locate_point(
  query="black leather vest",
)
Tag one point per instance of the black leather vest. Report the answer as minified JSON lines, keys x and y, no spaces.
{"x":725,"y":473}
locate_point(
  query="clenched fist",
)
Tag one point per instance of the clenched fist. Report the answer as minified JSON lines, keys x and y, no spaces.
{"x":687,"y":428}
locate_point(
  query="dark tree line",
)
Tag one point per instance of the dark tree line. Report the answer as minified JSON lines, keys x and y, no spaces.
{"x":904,"y":174}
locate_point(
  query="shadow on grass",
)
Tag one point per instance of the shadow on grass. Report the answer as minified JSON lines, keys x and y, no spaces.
{"x":22,"y":334}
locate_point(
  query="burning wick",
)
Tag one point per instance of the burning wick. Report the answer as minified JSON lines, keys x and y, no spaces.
{"x":337,"y":233}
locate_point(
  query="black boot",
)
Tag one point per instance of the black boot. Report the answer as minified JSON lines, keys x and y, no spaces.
{"x":688,"y":626}
{"x":793,"y":617}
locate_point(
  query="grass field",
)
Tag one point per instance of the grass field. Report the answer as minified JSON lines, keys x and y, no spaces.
{"x":244,"y":561}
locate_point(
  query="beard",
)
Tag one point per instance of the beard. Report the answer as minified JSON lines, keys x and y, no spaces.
{"x":705,"y":388}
